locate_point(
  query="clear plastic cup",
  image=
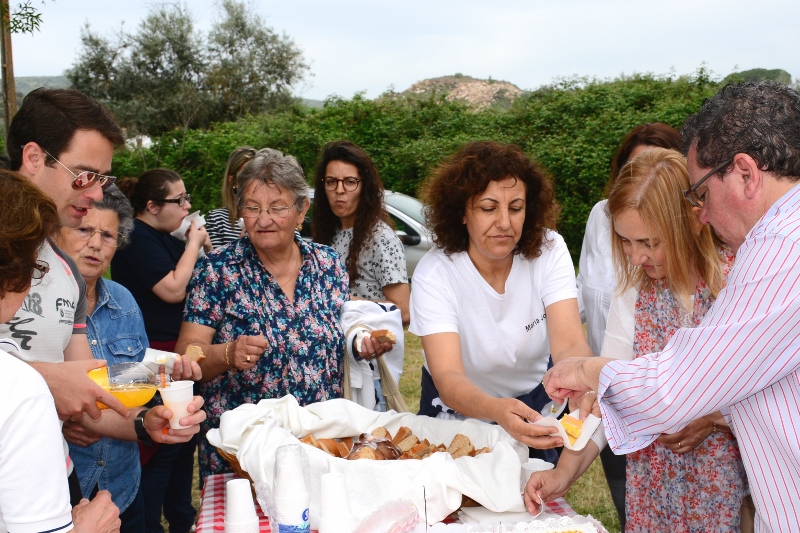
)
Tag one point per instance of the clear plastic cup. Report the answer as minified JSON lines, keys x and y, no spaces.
{"x":334,"y":502}
{"x":533,"y":465}
{"x":177,"y":397}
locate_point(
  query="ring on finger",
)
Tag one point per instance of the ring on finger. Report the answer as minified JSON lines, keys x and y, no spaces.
{"x":680,"y":445}
{"x":248,"y":359}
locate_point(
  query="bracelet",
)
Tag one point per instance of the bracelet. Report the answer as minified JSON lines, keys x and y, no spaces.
{"x":714,"y":427}
{"x":227,"y":361}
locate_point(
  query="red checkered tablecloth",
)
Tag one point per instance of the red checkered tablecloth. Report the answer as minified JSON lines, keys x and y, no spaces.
{"x":212,"y":506}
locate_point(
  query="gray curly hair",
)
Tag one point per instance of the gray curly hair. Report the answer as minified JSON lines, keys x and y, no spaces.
{"x":114,"y":200}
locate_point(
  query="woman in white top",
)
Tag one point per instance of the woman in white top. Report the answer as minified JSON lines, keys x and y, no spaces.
{"x":496,"y":298}
{"x":597,"y":280}
{"x":350,"y":216}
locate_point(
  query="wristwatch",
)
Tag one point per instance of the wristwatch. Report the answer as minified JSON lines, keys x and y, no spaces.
{"x":141,"y":431}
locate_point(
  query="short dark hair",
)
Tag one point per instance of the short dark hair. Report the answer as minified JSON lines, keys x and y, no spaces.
{"x":50,"y":118}
{"x":151,"y":186}
{"x":27,"y":218}
{"x":467,"y":173}
{"x":371,"y":208}
{"x":655,"y":134}
{"x":761,"y":120}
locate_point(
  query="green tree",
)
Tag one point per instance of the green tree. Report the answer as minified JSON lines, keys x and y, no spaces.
{"x":251,"y":68}
{"x":168,"y":75}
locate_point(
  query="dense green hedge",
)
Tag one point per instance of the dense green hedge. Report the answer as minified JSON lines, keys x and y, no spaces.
{"x":572,"y":128}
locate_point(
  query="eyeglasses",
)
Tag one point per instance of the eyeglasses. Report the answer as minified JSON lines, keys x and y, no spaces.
{"x":276,"y":211}
{"x":697,"y":200}
{"x":40,"y":269}
{"x":86,"y":178}
{"x":108,"y":238}
{"x":349,"y":184}
{"x":181,"y":201}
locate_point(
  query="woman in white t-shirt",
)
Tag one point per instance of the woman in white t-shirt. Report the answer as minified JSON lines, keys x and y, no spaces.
{"x":350,"y":216}
{"x":496,"y":298}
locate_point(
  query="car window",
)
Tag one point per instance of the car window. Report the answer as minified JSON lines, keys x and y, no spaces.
{"x":410,"y":206}
{"x":400,"y":225}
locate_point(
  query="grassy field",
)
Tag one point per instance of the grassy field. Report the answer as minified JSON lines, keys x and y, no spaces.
{"x":589,"y":495}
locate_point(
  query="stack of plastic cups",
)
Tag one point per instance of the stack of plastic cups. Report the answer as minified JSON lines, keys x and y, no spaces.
{"x":291,"y":499}
{"x":334,"y":513}
{"x":240,"y":512}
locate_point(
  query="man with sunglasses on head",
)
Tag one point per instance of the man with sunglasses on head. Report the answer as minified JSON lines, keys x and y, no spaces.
{"x":63,"y":142}
{"x":744,"y":359}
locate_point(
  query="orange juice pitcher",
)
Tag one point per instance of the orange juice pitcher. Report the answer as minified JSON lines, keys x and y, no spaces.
{"x":133,"y":384}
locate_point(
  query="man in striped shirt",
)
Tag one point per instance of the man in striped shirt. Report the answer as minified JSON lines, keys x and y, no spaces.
{"x":744,"y":359}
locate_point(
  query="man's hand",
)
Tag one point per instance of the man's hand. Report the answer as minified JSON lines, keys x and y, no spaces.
{"x":515,"y":417}
{"x":573,"y":377}
{"x":74,"y":392}
{"x":156,"y":422}
{"x":98,"y":516}
{"x":75,"y":433}
{"x":587,"y":404}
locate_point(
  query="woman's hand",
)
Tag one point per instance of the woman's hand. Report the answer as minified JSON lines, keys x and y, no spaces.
{"x":373,"y":348}
{"x":689,"y":437}
{"x":198,"y":237}
{"x":244,"y":352}
{"x":545,"y":486}
{"x":186,"y":369}
{"x":516,"y":417}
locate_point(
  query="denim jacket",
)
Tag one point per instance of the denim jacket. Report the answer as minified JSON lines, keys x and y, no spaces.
{"x":116,"y":333}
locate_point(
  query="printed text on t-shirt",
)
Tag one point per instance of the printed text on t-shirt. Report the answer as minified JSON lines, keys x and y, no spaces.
{"x":535,"y":322}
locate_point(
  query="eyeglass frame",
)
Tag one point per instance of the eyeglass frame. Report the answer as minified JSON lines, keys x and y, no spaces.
{"x":338,"y":181}
{"x":40,"y":269}
{"x":691,"y":191}
{"x":101,"y":179}
{"x":118,"y":241}
{"x":265,"y":209}
{"x":181,"y":200}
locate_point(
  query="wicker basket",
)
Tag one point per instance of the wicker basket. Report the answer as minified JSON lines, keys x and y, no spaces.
{"x":237,"y":468}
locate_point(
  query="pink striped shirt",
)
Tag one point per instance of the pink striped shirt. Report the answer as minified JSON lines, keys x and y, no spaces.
{"x":744,"y":359}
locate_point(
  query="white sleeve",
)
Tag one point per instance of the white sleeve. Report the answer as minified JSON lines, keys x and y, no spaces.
{"x":433,"y":302}
{"x":34,"y":496}
{"x":618,"y":340}
{"x":557,"y":281}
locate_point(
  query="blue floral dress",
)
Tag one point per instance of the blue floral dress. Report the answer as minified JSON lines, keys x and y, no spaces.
{"x":233,"y":293}
{"x":697,"y":491}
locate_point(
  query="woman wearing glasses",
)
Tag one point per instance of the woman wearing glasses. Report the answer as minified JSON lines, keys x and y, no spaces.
{"x":670,"y":271}
{"x":265,"y":309}
{"x":349,"y":215}
{"x":156,"y":267}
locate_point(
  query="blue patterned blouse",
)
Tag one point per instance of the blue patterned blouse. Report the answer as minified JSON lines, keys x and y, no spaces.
{"x":233,"y":293}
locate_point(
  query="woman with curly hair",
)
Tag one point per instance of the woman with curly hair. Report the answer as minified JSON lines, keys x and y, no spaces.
{"x":350,"y":216}
{"x":496,"y":298}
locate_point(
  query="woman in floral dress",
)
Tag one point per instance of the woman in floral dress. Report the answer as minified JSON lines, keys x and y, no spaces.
{"x":265,"y":309}
{"x":670,"y":272}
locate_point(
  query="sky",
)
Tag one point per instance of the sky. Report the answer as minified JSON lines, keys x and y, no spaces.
{"x":372,"y":46}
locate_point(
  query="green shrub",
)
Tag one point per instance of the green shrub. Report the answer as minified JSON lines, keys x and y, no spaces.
{"x":571,"y":128}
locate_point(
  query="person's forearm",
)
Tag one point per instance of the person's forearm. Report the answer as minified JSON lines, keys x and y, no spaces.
{"x":576,"y":463}
{"x":110,"y":424}
{"x":178,"y":279}
{"x":460,"y":394}
{"x":215,"y":362}
{"x":591,"y":369}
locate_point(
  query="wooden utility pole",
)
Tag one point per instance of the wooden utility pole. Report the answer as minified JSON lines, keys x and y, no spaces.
{"x":7,"y":67}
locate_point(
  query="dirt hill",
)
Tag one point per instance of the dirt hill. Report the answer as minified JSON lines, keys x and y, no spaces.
{"x":477,"y":93}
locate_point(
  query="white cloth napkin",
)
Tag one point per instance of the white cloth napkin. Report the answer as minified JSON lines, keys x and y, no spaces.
{"x":357,"y":318}
{"x":198,"y":219}
{"x":254,"y":432}
{"x":589,"y":426}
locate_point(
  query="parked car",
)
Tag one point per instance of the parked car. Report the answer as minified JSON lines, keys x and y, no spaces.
{"x":409,"y":223}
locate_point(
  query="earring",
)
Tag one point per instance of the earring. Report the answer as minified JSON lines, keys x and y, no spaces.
{"x":300,"y":227}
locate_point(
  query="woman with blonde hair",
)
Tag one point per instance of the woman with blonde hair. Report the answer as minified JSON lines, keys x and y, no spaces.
{"x":670,"y":271}
{"x":222,"y":224}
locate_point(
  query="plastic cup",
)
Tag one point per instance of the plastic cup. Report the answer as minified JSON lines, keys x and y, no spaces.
{"x":239,"y":507}
{"x":533,"y":465}
{"x":177,"y":398}
{"x":334,"y":501}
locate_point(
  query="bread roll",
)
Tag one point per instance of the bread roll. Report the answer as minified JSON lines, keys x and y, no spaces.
{"x":383,"y":335}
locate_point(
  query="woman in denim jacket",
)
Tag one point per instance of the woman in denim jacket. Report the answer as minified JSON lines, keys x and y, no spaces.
{"x":116,"y":333}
